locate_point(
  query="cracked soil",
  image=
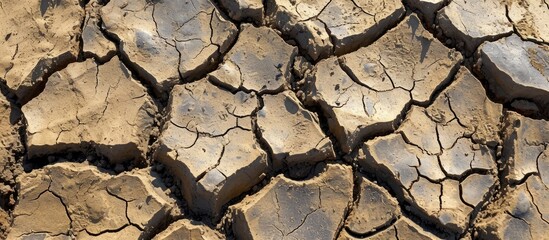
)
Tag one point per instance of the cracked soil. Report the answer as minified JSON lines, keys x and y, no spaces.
{"x":274,"y":119}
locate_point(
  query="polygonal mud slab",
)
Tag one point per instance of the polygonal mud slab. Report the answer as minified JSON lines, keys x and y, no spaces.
{"x":94,"y":43}
{"x":259,"y":61}
{"x":531,"y":19}
{"x":525,"y":148}
{"x":186,"y":229}
{"x":521,"y":213}
{"x":240,"y":10}
{"x":375,"y":209}
{"x":37,"y":37}
{"x":352,"y":24}
{"x":164,"y":40}
{"x":88,"y":105}
{"x":208,"y":144}
{"x":516,"y":69}
{"x":292,"y":132}
{"x":354,"y":111}
{"x":323,"y":27}
{"x":406,"y":57}
{"x":78,"y":199}
{"x":403,"y":228}
{"x":308,"y":209}
{"x":447,"y":180}
{"x":461,"y":21}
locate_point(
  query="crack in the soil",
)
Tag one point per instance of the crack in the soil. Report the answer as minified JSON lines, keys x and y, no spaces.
{"x":161,"y":102}
{"x":534,"y":203}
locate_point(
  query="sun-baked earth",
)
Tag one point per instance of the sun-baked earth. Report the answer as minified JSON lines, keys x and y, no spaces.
{"x":274,"y":119}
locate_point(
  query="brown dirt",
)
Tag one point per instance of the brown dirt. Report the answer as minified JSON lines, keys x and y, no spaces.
{"x":276,"y":119}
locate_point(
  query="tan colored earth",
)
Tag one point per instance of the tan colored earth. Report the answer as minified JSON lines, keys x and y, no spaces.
{"x":274,"y":119}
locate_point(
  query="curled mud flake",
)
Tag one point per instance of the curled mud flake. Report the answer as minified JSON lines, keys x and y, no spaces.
{"x":94,"y":43}
{"x":352,"y":24}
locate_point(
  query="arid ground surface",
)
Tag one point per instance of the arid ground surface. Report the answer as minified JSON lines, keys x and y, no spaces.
{"x":274,"y":119}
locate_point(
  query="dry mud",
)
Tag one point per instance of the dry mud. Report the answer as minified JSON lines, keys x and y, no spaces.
{"x":274,"y":119}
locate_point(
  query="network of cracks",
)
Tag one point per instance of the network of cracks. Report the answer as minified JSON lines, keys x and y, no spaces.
{"x":275,"y":119}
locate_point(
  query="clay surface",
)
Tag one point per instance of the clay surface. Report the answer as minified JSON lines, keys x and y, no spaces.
{"x":447,"y":179}
{"x":260,"y":61}
{"x":208,"y":144}
{"x":526,"y":77}
{"x":94,"y":43}
{"x":154,"y":35}
{"x":38,"y":38}
{"x":375,"y":209}
{"x":325,"y":27}
{"x":90,"y":105}
{"x":407,"y":57}
{"x":525,"y":149}
{"x":76,"y":199}
{"x":274,"y":119}
{"x":520,"y":214}
{"x":530,"y":19}
{"x":297,"y":139}
{"x":460,"y":21}
{"x":294,"y":209}
{"x":364,"y":93}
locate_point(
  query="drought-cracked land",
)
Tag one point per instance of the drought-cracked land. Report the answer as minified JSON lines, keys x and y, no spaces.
{"x":274,"y":119}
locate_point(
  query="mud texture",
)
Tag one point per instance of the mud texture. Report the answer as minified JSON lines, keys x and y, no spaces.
{"x":274,"y":119}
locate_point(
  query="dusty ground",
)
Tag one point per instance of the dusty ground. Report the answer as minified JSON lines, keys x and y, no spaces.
{"x":275,"y":119}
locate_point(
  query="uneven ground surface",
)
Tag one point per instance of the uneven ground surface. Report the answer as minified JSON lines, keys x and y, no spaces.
{"x":274,"y":119}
